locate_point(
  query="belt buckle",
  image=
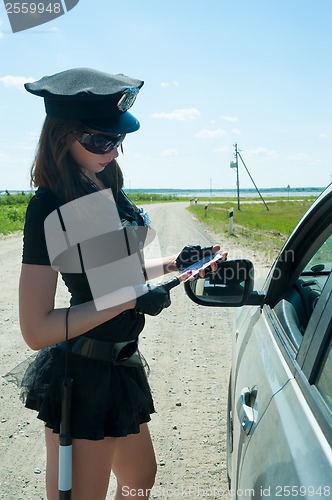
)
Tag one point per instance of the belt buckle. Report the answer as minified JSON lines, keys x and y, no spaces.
{"x":124,"y":350}
{"x":130,"y":354}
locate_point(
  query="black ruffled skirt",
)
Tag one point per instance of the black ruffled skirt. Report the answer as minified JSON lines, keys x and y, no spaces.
{"x":107,"y":400}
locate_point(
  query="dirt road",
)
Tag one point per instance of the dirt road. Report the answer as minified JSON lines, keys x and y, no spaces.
{"x":188,"y":348}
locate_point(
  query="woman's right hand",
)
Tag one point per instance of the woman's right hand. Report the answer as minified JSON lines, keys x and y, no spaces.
{"x":152,"y":299}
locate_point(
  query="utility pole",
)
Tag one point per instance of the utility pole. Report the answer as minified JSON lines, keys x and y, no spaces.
{"x":235,"y":166}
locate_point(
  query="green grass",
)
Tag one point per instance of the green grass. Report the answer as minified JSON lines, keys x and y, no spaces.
{"x":12,"y":218}
{"x":139,"y":198}
{"x":12,"y":211}
{"x":267,"y":229}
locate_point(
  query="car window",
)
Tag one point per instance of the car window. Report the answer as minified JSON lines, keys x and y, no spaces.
{"x":298,"y":303}
{"x":324,"y":379}
{"x":320,"y":265}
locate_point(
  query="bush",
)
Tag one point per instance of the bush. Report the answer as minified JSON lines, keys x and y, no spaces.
{"x":12,"y":218}
{"x":15,"y":199}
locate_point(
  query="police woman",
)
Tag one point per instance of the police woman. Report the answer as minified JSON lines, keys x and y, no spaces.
{"x":80,"y":213}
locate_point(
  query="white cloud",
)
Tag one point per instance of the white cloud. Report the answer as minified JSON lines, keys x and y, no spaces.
{"x":170,"y":152}
{"x":15,"y":81}
{"x":173,"y":83}
{"x":266,"y":153}
{"x":299,"y":157}
{"x":225,"y":149}
{"x":179,"y":115}
{"x":32,"y":135}
{"x":230,"y":118}
{"x":236,"y":131}
{"x":205,"y":133}
{"x":324,"y":135}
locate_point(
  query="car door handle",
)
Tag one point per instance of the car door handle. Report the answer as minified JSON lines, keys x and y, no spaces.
{"x":244,"y":411}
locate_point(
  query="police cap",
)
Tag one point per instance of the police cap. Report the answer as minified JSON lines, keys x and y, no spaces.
{"x":99,"y":100}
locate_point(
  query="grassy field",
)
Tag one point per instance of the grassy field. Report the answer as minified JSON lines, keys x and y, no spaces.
{"x":266,"y":229}
{"x":13,"y":207}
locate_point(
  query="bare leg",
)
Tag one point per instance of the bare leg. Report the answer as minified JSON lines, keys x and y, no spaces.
{"x":131,"y":458}
{"x":92,"y":463}
{"x":134,"y":465}
{"x":52,"y":464}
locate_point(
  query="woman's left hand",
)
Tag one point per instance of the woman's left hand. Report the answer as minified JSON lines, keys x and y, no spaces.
{"x":192,"y":254}
{"x":214,"y":265}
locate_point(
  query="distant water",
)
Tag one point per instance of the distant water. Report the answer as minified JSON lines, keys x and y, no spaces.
{"x":227,"y":193}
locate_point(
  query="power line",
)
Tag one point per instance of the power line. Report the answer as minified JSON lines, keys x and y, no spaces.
{"x":235,"y":165}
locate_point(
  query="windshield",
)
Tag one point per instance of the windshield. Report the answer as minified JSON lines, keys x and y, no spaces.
{"x":321,"y":262}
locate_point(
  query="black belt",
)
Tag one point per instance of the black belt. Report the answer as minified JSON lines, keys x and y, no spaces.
{"x":122,"y":353}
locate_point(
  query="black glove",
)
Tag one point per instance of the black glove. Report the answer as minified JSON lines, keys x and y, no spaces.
{"x":191,"y":254}
{"x":154,"y":298}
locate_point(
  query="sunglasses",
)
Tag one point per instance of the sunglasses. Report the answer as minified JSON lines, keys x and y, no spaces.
{"x":98,"y":144}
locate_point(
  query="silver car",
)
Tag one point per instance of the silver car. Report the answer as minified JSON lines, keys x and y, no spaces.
{"x":280,"y":389}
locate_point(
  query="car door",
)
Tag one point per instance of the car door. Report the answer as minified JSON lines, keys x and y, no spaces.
{"x":280,"y":424}
{"x":259,"y":373}
{"x":288,"y":450}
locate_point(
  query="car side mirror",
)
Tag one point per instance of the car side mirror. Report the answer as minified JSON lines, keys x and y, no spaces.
{"x":230,"y":286}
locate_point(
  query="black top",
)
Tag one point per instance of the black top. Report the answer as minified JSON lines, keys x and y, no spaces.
{"x":126,"y":325}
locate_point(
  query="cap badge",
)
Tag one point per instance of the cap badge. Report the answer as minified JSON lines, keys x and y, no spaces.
{"x":127,"y":99}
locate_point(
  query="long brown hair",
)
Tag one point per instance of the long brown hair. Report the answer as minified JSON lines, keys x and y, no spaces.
{"x":55,"y":169}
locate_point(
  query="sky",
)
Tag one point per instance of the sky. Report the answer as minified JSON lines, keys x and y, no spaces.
{"x":256,"y":73}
